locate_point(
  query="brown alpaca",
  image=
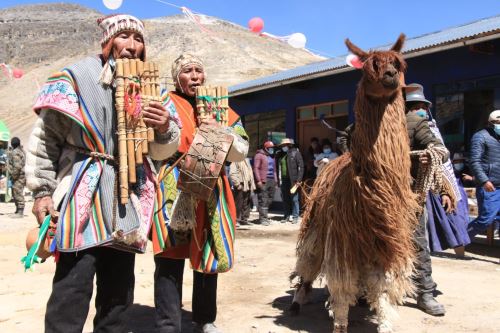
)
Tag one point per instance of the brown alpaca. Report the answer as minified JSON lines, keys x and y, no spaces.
{"x":360,"y":216}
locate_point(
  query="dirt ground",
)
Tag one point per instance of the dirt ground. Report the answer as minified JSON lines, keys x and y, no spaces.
{"x":254,"y":296}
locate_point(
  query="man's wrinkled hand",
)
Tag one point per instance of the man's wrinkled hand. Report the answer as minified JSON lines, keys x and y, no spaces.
{"x":156,"y":116}
{"x":42,"y":207}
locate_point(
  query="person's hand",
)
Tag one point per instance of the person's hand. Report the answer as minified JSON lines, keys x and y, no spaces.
{"x":239,"y":187}
{"x":466,"y":177}
{"x":446,"y":202}
{"x":42,"y":207}
{"x":424,"y":159}
{"x":156,"y":116}
{"x":260,"y":185}
{"x":325,"y":160}
{"x":210,"y":122}
{"x":489,"y":187}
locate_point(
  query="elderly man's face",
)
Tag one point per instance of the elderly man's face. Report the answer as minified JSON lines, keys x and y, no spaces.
{"x":128,"y":44}
{"x":190,"y":77}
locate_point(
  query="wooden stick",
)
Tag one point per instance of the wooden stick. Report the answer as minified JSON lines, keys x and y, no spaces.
{"x":142,"y":125}
{"x":130,"y":134}
{"x":122,"y":135}
{"x":152,"y":93}
{"x":135,"y":122}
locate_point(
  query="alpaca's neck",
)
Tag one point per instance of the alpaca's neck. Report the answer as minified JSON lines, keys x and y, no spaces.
{"x":380,"y":145}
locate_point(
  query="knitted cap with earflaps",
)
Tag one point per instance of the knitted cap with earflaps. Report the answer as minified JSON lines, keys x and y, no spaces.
{"x":111,"y":26}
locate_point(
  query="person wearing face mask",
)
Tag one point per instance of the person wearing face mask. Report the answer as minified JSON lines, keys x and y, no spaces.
{"x":208,"y":244}
{"x":485,"y":165}
{"x":71,"y":167}
{"x":422,"y":137}
{"x":264,"y":170}
{"x":326,"y":156}
{"x":290,"y":171}
{"x":446,"y":228}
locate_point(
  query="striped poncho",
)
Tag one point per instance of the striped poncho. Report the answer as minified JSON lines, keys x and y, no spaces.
{"x":75,"y":110}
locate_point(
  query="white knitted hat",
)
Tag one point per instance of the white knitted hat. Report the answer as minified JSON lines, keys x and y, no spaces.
{"x":114,"y":24}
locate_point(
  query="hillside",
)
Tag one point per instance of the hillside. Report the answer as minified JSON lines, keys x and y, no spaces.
{"x":41,"y":39}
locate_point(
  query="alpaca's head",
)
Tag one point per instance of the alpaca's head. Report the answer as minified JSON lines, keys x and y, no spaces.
{"x":382,"y":70}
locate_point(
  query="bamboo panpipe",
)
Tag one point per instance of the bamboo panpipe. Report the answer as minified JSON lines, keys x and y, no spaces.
{"x":212,"y":102}
{"x":137,"y":84}
{"x":122,"y":135}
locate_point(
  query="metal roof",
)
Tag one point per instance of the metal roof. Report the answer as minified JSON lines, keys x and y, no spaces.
{"x":432,"y":42}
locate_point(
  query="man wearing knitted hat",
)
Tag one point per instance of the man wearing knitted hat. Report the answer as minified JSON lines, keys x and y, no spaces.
{"x":71,"y":169}
{"x":209,"y":243}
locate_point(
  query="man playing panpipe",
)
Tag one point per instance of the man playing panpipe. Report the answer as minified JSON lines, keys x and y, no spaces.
{"x":208,"y":243}
{"x":72,"y":171}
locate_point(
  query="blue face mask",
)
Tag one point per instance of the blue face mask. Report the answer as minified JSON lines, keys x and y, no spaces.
{"x":285,"y":149}
{"x":270,"y":151}
{"x":496,"y":128}
{"x":458,"y":166}
{"x":327,"y":150}
{"x":422,"y":113}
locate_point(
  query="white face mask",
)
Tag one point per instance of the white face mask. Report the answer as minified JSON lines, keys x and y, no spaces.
{"x":284,"y":149}
{"x":496,"y":128}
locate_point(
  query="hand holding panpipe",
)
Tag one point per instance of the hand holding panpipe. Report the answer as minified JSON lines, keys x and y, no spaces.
{"x":137,"y":84}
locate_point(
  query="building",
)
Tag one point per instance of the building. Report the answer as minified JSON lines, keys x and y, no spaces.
{"x":458,"y":67}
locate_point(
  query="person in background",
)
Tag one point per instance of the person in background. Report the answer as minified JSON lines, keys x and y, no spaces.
{"x":422,"y":137}
{"x":290,"y":171}
{"x":265,"y":179}
{"x":310,"y":157}
{"x":485,"y":165}
{"x":15,"y":167}
{"x":241,"y":177}
{"x":326,"y":156}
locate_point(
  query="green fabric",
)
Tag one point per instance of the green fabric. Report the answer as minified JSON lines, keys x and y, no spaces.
{"x":4,"y":132}
{"x":284,"y":172}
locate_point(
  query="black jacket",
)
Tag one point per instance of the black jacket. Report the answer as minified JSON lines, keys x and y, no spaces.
{"x":485,"y":157}
{"x":294,"y":165}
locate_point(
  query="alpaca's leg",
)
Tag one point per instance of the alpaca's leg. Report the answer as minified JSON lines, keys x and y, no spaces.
{"x":379,"y":300}
{"x":341,"y":297}
{"x":300,"y":297}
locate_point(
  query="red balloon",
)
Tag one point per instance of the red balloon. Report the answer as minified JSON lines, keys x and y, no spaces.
{"x":17,"y":73}
{"x":256,"y":24}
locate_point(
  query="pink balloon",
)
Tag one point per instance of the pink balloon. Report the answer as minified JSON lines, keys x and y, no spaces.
{"x":17,"y":73}
{"x":256,"y":24}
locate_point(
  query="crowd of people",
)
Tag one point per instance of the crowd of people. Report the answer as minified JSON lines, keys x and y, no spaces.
{"x":71,"y":171}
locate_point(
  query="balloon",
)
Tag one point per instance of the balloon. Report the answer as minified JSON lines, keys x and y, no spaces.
{"x":256,"y":24}
{"x":297,"y":40}
{"x":17,"y":73}
{"x":353,"y":61}
{"x":112,"y":4}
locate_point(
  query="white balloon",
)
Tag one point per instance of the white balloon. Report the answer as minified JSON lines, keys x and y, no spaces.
{"x":112,"y":4}
{"x":297,"y":40}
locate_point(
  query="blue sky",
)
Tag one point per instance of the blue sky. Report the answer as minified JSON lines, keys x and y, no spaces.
{"x":326,"y":23}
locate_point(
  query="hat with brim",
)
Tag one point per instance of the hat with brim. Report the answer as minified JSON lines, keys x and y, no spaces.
{"x":415,"y":93}
{"x":286,"y":141}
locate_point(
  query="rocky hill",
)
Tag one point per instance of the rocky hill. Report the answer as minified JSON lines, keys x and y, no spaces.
{"x":41,"y":39}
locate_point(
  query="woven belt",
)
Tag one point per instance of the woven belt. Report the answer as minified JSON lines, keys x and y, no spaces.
{"x":93,"y":154}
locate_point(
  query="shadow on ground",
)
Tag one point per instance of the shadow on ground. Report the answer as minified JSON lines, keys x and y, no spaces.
{"x":313,"y":317}
{"x":141,"y":319}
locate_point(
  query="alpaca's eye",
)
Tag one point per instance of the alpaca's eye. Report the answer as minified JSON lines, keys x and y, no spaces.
{"x":375,"y":66}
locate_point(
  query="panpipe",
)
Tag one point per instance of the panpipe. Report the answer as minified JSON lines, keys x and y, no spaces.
{"x":137,"y":84}
{"x":212,"y":103}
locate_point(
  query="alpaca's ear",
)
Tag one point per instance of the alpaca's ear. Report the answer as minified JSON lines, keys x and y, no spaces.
{"x":399,"y":43}
{"x":356,"y":50}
